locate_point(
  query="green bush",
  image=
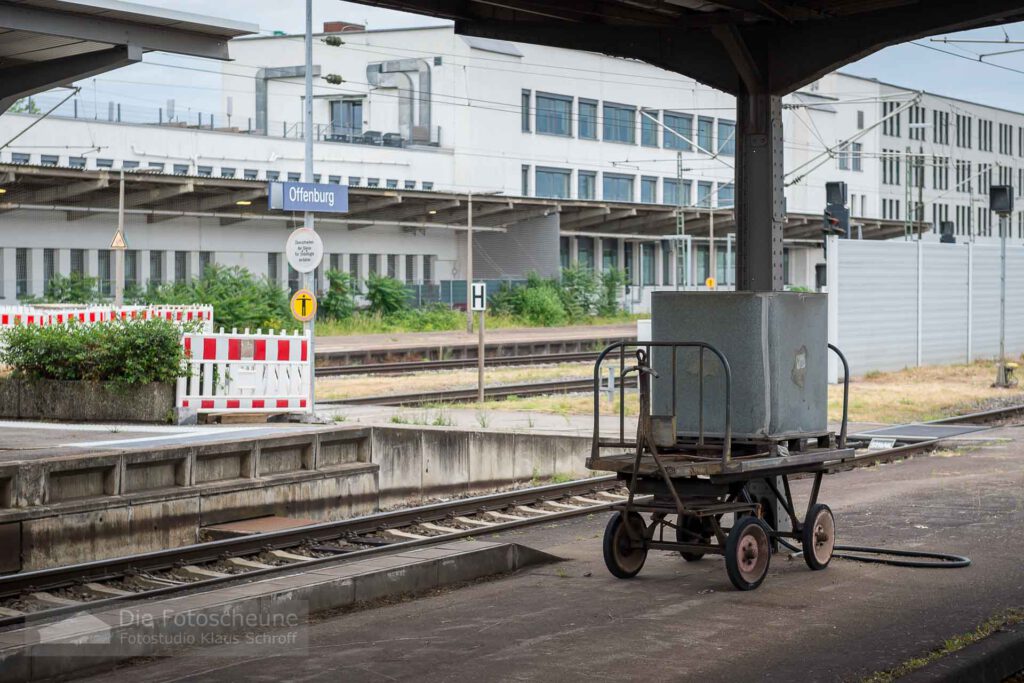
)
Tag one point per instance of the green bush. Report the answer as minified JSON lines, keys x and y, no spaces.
{"x":387,"y":296}
{"x":122,"y":351}
{"x":339,"y":302}
{"x":506,"y":301}
{"x":542,"y":306}
{"x":239,"y":299}
{"x":580,"y":292}
{"x":71,"y":289}
{"x":612,"y":282}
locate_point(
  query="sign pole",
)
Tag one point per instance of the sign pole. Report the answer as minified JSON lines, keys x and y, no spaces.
{"x":1001,"y":379}
{"x":480,"y":362}
{"x":477,"y":302}
{"x":119,"y":252}
{"x":310,"y":277}
{"x":469,"y":261}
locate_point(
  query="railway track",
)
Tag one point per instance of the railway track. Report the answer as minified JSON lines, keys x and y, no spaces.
{"x":63,"y":590}
{"x":406,"y":367}
{"x":497,"y":392}
{"x":52,"y":592}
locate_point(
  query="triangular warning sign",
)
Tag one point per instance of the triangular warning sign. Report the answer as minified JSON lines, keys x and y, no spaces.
{"x":118,"y":241}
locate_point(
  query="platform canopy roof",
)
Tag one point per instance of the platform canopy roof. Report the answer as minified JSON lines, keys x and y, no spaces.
{"x":158,"y":197}
{"x":47,"y":43}
{"x":773,"y":46}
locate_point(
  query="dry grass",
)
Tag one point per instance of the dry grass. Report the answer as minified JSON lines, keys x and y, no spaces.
{"x":356,"y":386}
{"x":920,"y":394}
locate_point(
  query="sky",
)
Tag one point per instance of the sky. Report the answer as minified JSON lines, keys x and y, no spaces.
{"x":998,"y":82}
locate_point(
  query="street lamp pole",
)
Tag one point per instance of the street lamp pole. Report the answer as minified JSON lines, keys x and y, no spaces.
{"x":309,"y":279}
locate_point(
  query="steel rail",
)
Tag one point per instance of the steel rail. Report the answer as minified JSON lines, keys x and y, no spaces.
{"x":404,"y":367}
{"x":499,"y":391}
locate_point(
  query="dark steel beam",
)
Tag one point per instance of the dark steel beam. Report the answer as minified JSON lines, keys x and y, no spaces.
{"x":22,"y":80}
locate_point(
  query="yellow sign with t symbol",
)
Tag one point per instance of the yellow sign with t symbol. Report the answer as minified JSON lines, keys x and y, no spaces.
{"x":303,"y":305}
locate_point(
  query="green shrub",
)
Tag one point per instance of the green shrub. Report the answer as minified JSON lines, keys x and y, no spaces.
{"x":580,"y":292}
{"x":612,"y":282}
{"x":507,"y":300}
{"x":122,"y":351}
{"x":339,"y":302}
{"x":239,"y":299}
{"x":541,"y":306}
{"x":387,"y":296}
{"x":71,"y":289}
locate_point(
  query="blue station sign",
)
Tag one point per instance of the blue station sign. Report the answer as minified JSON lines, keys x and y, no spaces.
{"x":314,"y":197}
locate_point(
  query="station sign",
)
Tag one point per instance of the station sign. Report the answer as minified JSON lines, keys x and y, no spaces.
{"x":304,"y":249}
{"x":303,"y":305}
{"x":313,"y":197}
{"x":478,"y":300}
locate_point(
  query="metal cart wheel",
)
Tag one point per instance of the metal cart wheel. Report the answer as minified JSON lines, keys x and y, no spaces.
{"x":819,"y":536}
{"x":620,"y":556}
{"x":690,"y":529}
{"x":747,"y":553}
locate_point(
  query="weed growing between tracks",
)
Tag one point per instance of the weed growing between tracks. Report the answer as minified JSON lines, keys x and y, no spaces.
{"x":1010,"y":617}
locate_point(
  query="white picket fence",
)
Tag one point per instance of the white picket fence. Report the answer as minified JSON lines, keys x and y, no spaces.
{"x":243,"y":372}
{"x":58,"y":314}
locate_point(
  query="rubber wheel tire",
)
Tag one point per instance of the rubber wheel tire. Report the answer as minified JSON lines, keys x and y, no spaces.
{"x":819,"y":536}
{"x":748,"y":553}
{"x":622,"y":560}
{"x":693,"y":525}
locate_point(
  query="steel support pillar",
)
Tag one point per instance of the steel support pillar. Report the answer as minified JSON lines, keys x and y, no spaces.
{"x":760,"y":201}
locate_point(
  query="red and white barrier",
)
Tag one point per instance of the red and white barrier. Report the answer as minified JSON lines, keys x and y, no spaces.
{"x":242,"y":372}
{"x":11,"y":316}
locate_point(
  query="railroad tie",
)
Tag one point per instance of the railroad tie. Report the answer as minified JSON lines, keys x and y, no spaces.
{"x":473,"y":522}
{"x":588,"y":501}
{"x":398,"y":533}
{"x":287,"y":556}
{"x":202,"y":573}
{"x":438,"y":527}
{"x":53,"y":600}
{"x":501,"y":515}
{"x":106,"y":591}
{"x":248,"y":564}
{"x":533,"y":511}
{"x":562,"y":506}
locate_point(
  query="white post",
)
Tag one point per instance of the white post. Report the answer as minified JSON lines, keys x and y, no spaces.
{"x":308,"y":216}
{"x":832,"y":289}
{"x":1001,"y":378}
{"x":119,"y":253}
{"x":970,"y":302}
{"x":469,"y":267}
{"x":920,"y":300}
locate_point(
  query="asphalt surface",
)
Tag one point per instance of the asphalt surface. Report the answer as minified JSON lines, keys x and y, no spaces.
{"x":683,"y":622}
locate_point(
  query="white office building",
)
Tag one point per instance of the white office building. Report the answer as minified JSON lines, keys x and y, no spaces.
{"x":416,"y":120}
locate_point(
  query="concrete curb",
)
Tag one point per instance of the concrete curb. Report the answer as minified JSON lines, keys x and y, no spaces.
{"x":994,"y":659}
{"x":274,"y":609}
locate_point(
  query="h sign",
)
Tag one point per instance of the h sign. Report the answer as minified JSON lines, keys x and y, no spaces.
{"x":479,"y":300}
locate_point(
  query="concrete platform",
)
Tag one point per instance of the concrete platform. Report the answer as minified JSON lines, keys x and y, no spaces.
{"x":683,"y":621}
{"x":259,"y":616}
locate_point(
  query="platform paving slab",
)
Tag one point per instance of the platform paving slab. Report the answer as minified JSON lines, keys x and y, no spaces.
{"x":234,"y":614}
{"x":682,"y":621}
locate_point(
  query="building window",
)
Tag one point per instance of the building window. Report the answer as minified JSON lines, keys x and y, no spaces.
{"x":726,"y":195}
{"x":205,"y":261}
{"x":49,"y":159}
{"x":647,"y":263}
{"x":704,"y":194}
{"x":648,"y":190}
{"x":860,"y":120}
{"x":49,"y":267}
{"x":554,"y":115}
{"x":227,"y":172}
{"x":106,"y":279}
{"x":410,"y":184}
{"x":180,"y":169}
{"x":525,"y":180}
{"x":294,"y":281}
{"x":346,"y":119}
{"x":204,"y":171}
{"x":76,"y":162}
{"x":155,"y":166}
{"x":428,"y":185}
{"x":609,"y":254}
{"x":588,"y":119}
{"x":129,"y":164}
{"x":181,"y":267}
{"x":617,"y":187}
{"x":354,"y":267}
{"x":374,"y":268}
{"x":843,"y":158}
{"x":891,"y":126}
{"x":552,"y":182}
{"x":727,"y":138}
{"x":648,"y":128}
{"x":273,"y":175}
{"x":671,"y":194}
{"x":392,"y":183}
{"x":19,"y":158}
{"x":587,"y":185}
{"x":855,"y":156}
{"x":77,"y":262}
{"x":428,"y":268}
{"x":373,"y":182}
{"x":131,"y":267}
{"x":681,"y":124}
{"x":294,"y":177}
{"x":410,"y":268}
{"x":156,"y":267}
{"x":705,"y":132}
{"x":627,"y":261}
{"x":525,"y":113}
{"x":354,"y":180}
{"x":619,"y":123}
{"x":250,"y":173}
{"x":392,"y":265}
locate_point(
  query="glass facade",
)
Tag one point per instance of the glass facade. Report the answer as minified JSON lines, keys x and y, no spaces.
{"x":705,"y":133}
{"x":554,"y":114}
{"x":726,"y":138}
{"x":648,"y":128}
{"x":552,"y":182}
{"x":619,"y":123}
{"x":588,"y":119}
{"x":587,"y":185}
{"x":682,"y":124}
{"x":617,"y":188}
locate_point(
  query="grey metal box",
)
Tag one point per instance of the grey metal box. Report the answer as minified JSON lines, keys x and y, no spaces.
{"x":776,"y":344}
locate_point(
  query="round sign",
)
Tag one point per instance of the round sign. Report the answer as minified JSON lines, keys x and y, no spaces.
{"x":303,"y":305}
{"x":305,"y":250}
{"x":710,"y":282}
